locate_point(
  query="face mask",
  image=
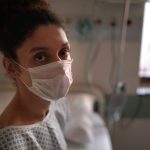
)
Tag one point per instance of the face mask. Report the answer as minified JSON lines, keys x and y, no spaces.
{"x":51,"y":81}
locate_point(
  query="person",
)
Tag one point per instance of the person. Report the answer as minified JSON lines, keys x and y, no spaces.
{"x":37,"y":57}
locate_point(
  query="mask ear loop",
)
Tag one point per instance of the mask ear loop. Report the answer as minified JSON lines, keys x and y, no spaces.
{"x":26,"y":69}
{"x":19,"y":65}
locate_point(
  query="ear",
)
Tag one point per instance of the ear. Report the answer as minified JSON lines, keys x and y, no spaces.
{"x":10,"y":68}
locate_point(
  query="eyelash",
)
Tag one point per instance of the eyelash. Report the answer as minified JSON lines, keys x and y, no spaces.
{"x":64,"y":53}
{"x":67,"y":51}
{"x":40,"y":55}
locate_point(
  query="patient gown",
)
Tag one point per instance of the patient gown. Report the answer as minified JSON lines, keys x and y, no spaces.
{"x":44,"y":135}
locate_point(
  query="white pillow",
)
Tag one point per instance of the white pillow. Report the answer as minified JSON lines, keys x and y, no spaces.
{"x":79,"y":127}
{"x":79,"y":130}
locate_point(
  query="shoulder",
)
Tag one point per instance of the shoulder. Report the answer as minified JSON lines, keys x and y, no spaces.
{"x":9,"y":138}
{"x":18,"y":137}
{"x":61,"y":105}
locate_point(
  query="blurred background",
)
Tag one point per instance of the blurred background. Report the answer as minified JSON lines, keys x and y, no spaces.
{"x":110,"y":45}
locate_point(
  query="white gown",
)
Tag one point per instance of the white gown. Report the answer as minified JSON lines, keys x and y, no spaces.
{"x":44,"y":135}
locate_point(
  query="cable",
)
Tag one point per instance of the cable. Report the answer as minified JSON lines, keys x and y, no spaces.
{"x":123,"y":40}
{"x":118,"y":97}
{"x":113,"y":72}
{"x":91,"y":61}
{"x":93,"y":55}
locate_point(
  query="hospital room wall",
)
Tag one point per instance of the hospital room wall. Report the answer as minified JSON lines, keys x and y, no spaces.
{"x":81,"y":49}
{"x":102,"y":66}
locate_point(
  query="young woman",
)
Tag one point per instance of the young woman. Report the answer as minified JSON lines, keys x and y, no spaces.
{"x":37,"y":57}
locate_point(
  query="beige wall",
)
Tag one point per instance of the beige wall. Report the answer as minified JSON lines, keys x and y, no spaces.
{"x":102,"y":66}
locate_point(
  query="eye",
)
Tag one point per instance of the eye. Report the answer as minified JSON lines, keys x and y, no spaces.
{"x":64,"y":53}
{"x":40,"y":57}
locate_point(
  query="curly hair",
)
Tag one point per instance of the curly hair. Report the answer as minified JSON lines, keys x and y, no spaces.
{"x":19,"y":19}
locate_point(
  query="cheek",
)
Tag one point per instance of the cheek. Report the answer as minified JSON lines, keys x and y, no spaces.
{"x":23,"y":60}
{"x":22,"y":56}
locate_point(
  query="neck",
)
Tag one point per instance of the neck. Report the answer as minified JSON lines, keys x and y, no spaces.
{"x":29,"y":108}
{"x":33,"y":104}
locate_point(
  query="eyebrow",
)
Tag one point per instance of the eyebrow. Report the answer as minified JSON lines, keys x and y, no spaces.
{"x":34,"y":49}
{"x":66,"y":44}
{"x":41,"y":48}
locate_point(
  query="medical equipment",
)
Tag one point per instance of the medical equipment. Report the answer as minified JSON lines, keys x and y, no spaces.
{"x":118,"y":98}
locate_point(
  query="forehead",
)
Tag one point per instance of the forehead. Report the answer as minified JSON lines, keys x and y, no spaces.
{"x":50,"y":36}
{"x":48,"y":33}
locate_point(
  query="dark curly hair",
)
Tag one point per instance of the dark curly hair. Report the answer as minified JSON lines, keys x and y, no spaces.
{"x":19,"y":19}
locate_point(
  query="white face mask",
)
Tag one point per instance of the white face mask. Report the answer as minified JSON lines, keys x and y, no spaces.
{"x":51,"y":81}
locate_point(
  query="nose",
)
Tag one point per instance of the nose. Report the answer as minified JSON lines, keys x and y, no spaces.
{"x":56,"y":58}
